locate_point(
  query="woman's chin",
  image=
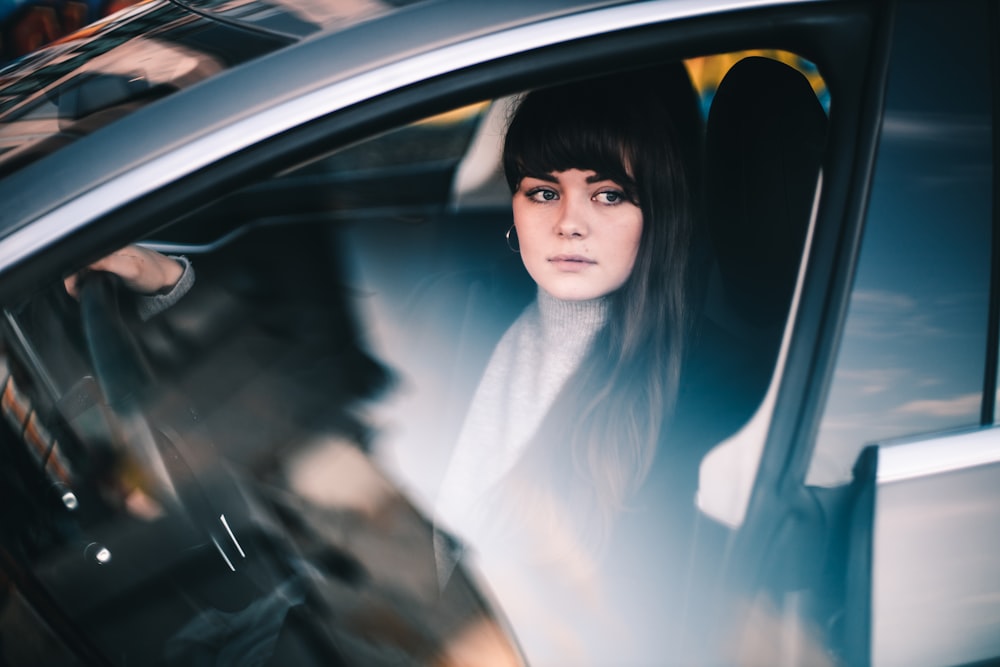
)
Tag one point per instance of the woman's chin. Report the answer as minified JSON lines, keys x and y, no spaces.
{"x":574,"y":292}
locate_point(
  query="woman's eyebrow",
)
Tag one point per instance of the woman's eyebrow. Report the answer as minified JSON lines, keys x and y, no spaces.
{"x":598,"y":178}
{"x":542,"y":176}
{"x":550,"y":177}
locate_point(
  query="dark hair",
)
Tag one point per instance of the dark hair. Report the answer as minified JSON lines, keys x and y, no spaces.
{"x":618,"y":125}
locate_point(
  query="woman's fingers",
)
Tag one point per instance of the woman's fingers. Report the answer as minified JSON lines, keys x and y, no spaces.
{"x":71,"y":284}
{"x":144,"y":271}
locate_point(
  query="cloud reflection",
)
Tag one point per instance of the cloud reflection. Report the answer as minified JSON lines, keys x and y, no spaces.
{"x":909,"y":364}
{"x":939,"y":128}
{"x":958,"y":406}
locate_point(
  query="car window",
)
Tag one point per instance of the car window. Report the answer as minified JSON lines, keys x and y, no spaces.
{"x":292,"y":419}
{"x":913,"y":355}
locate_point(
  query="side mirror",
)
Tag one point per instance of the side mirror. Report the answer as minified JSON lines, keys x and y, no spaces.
{"x":923,"y":568}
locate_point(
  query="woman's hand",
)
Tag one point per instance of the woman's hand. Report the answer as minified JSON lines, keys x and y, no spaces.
{"x":144,"y":271}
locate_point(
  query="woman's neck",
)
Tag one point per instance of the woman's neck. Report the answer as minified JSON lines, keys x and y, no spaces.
{"x":564,"y":320}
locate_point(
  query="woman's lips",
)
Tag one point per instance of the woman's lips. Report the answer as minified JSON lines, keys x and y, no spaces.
{"x":571,"y":263}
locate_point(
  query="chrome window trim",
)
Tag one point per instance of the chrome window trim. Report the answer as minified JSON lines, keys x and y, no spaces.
{"x":937,"y":454}
{"x":206,"y":149}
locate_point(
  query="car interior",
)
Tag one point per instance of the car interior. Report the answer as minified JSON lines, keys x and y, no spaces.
{"x":322,"y":360}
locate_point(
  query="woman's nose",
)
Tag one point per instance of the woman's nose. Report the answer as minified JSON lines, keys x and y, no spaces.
{"x":572,"y":222}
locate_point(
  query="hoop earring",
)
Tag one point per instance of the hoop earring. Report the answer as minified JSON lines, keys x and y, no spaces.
{"x":510,"y":245}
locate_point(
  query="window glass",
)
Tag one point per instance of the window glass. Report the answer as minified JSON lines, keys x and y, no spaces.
{"x":311,"y":416}
{"x":912,"y":357}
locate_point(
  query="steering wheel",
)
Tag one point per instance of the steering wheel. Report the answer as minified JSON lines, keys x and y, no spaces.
{"x":119,"y":366}
{"x":127,"y":382}
{"x":123,"y":375}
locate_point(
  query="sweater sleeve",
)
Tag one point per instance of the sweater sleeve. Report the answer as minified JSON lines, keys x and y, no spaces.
{"x":154,"y":304}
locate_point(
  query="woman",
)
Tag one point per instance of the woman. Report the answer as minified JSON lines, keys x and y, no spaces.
{"x":565,"y":424}
{"x":602,"y":219}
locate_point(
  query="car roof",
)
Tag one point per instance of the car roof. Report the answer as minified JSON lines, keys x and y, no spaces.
{"x":329,"y":71}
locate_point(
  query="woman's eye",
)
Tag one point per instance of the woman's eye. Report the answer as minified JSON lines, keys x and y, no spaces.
{"x":610,"y":197}
{"x":542,"y":195}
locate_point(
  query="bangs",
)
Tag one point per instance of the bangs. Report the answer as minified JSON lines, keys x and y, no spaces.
{"x":571,"y":128}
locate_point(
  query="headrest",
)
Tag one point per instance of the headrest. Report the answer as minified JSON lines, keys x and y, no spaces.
{"x":765,"y":138}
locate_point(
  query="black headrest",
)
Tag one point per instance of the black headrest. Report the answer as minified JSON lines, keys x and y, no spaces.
{"x":684,"y":108}
{"x":765,"y":138}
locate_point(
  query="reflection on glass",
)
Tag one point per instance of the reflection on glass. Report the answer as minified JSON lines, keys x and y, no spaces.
{"x":115,"y":67}
{"x":913,"y":351}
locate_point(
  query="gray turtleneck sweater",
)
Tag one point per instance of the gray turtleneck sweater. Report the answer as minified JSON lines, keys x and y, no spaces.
{"x":528,"y":368}
{"x":154,"y":304}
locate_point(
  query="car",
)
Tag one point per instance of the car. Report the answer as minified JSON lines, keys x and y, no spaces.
{"x":252,"y":474}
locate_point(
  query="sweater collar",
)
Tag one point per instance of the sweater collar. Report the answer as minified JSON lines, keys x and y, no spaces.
{"x":571,"y":320}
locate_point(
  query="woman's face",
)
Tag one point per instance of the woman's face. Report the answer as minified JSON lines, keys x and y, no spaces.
{"x":578,"y":233}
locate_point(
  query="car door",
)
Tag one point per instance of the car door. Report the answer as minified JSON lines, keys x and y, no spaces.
{"x":899,"y":542}
{"x":925,"y":566}
{"x":262,"y":167}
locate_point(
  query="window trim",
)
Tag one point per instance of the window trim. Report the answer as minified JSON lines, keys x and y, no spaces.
{"x":990,"y":385}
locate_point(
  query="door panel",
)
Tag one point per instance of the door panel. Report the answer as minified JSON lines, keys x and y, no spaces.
{"x":935,"y":575}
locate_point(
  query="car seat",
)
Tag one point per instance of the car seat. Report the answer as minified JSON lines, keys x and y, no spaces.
{"x":765,"y":139}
